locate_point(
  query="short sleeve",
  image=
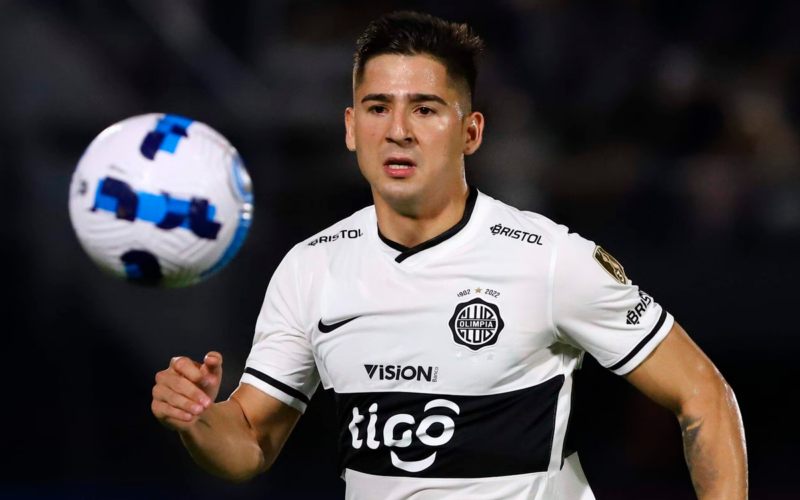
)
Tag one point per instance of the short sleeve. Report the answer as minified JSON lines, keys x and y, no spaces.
{"x":281,"y":361}
{"x":598,"y":309}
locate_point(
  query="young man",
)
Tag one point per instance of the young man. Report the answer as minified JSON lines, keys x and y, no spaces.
{"x":447,"y":323}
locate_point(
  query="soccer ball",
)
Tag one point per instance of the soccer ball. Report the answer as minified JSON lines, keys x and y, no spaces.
{"x":161,"y":200}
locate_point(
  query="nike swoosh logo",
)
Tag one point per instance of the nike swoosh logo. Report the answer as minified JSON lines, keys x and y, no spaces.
{"x":329,"y":328}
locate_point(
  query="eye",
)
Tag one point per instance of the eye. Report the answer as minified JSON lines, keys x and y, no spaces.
{"x":425,"y":111}
{"x":377,"y":109}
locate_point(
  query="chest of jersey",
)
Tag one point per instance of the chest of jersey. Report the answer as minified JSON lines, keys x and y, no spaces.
{"x":442,"y":358}
{"x":474,"y":323}
{"x":437,"y":361}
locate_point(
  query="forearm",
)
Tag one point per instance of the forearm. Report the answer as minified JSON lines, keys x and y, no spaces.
{"x":223,"y":443}
{"x":714,"y":446}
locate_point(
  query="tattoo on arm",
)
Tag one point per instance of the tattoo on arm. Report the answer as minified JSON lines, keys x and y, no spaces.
{"x":701,"y":465}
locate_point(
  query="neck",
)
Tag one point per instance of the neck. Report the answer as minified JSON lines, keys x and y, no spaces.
{"x":410,"y":226}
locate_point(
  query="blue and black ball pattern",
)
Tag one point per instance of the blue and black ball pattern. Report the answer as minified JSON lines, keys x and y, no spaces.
{"x":166,"y":136}
{"x":142,"y":267}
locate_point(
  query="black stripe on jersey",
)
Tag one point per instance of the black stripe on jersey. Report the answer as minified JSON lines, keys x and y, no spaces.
{"x":278,"y":385}
{"x":406,"y":252}
{"x":410,"y":434}
{"x":641,"y":344}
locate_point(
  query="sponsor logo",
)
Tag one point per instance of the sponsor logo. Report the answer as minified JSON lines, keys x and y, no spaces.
{"x":516,"y":234}
{"x":417,"y":434}
{"x":433,"y":431}
{"x":476,"y":324}
{"x":329,"y":328}
{"x":610,"y":264}
{"x":343,"y":234}
{"x":400,"y":372}
{"x":638,"y":311}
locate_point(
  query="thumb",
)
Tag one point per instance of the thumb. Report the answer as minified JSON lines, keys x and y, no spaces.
{"x":213,"y":363}
{"x":212,"y":373}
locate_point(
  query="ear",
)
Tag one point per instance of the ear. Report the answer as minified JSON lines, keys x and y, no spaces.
{"x":349,"y":125}
{"x":473,"y":132}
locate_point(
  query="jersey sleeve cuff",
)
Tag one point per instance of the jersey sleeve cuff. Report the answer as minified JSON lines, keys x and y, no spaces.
{"x":645,"y":346}
{"x":275,"y":388}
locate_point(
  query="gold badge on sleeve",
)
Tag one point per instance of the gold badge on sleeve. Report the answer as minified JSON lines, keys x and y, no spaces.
{"x":610,"y":264}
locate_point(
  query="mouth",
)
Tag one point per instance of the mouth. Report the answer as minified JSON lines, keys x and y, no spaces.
{"x":399,"y":167}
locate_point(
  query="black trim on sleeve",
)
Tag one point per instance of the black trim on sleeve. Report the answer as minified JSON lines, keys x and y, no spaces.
{"x":406,"y":252}
{"x":641,"y":344}
{"x":278,"y":385}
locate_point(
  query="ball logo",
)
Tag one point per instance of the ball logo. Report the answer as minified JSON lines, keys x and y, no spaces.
{"x":476,"y":324}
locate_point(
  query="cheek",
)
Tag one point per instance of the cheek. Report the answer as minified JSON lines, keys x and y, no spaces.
{"x":433,"y":131}
{"x":445,"y":125}
{"x":368,"y":133}
{"x":443,"y":136}
{"x":369,"y":140}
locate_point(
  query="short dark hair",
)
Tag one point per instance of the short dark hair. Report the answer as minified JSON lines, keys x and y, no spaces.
{"x":455,"y":45}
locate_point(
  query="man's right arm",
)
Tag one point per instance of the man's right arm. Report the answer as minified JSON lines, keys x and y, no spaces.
{"x":235,"y":439}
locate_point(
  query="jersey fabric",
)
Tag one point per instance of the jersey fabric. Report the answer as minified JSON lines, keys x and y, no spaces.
{"x":451,"y":363}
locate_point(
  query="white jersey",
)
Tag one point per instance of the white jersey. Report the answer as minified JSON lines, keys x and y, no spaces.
{"x":451,"y":362}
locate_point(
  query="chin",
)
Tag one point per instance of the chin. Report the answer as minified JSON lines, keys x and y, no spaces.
{"x":399,"y":193}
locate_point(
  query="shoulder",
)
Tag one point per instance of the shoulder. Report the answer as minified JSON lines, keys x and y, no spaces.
{"x":347,"y":229}
{"x":565,"y":248}
{"x":514,"y":223}
{"x":346,"y":233}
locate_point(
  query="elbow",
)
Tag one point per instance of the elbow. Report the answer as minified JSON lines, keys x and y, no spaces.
{"x":237,"y":478}
{"x":240,"y":471}
{"x":241,"y":476}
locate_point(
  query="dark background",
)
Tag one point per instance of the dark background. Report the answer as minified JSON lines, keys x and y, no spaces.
{"x":668,"y":132}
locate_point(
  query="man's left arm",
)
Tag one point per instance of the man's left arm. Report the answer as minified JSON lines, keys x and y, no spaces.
{"x":680,"y":377}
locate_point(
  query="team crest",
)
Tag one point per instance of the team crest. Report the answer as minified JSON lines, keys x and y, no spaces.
{"x":610,"y":264}
{"x":476,"y":324}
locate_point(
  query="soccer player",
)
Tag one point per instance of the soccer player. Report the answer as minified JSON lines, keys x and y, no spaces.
{"x":447,"y":323}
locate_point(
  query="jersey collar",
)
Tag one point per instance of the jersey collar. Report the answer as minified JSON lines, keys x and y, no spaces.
{"x":406,"y":252}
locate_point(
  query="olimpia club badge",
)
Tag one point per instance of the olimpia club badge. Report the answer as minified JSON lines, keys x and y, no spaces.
{"x":476,"y":324}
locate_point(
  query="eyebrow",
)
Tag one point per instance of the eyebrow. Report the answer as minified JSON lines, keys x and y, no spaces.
{"x":415,"y":98}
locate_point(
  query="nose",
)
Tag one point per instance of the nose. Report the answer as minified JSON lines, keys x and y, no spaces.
{"x":400,"y":129}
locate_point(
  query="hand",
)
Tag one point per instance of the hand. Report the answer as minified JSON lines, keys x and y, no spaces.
{"x":186,"y":389}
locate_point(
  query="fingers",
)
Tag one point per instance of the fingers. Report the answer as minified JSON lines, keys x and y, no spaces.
{"x":184,"y":390}
{"x":176,"y":400}
{"x":163,"y":411}
{"x":183,"y":387}
{"x":187,"y":368}
{"x":172,"y":418}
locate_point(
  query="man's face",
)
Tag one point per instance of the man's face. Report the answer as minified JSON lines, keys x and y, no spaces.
{"x":408,"y":128}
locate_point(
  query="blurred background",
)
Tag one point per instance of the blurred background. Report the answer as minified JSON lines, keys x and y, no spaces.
{"x":668,"y":132}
